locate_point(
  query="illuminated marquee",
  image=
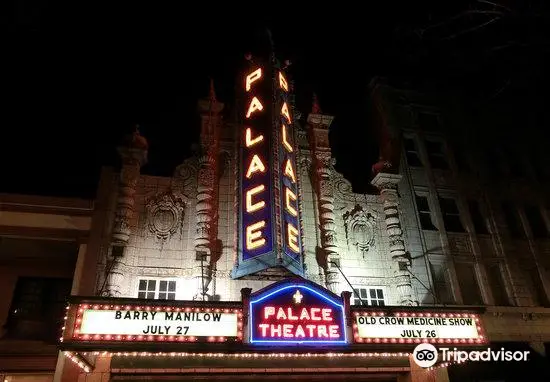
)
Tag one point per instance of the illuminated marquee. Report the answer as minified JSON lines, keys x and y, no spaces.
{"x":296,"y":313}
{"x":131,"y":322}
{"x":269,"y":221}
{"x":436,"y":328}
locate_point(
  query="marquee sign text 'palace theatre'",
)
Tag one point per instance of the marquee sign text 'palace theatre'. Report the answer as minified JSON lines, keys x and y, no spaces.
{"x":269,"y":228}
{"x":292,"y":313}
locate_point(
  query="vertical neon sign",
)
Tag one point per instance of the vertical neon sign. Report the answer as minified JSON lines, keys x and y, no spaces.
{"x":269,"y":221}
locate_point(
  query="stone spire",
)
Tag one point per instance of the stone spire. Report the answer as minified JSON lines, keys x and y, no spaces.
{"x":315,"y":108}
{"x":207,"y":192}
{"x":319,"y":125}
{"x":133,"y":154}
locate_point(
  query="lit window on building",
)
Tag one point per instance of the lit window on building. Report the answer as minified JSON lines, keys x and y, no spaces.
{"x":451,"y":215}
{"x":368,"y":296}
{"x":480,"y":225}
{"x":496,"y":283}
{"x":424,"y":213}
{"x":411,"y":152}
{"x":436,"y":155}
{"x":38,"y":308}
{"x":469,"y":287}
{"x":536,"y":222}
{"x":513,"y":223}
{"x":157,"y":289}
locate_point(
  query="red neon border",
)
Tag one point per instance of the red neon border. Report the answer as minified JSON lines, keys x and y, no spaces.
{"x":455,"y":341}
{"x":151,"y":338}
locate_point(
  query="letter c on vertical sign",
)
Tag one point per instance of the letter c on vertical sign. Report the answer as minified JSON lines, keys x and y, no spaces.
{"x":290,"y":196}
{"x":250,"y":206}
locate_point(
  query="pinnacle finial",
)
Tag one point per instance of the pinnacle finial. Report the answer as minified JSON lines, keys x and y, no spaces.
{"x":212,"y":94}
{"x":315,"y":108}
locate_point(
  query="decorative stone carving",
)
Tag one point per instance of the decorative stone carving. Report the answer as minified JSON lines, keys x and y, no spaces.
{"x":360,"y":229}
{"x":387,"y":183}
{"x":165,"y":213}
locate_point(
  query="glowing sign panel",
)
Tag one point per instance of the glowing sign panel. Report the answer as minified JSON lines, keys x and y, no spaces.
{"x":269,"y":190}
{"x":125,"y":321}
{"x":435,"y":328}
{"x":296,"y":313}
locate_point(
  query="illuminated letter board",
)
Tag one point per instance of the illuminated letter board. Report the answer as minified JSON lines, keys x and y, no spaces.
{"x":296,"y":313}
{"x":108,"y":321}
{"x":269,"y":232}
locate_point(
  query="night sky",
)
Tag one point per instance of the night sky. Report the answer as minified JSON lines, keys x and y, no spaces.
{"x":77,"y":77}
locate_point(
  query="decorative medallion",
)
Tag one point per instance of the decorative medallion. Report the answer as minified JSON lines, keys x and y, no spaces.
{"x":359,"y":229}
{"x":165,"y":215}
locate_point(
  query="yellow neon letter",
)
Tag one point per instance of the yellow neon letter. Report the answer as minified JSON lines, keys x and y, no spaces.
{"x":289,"y":195}
{"x":254,"y":76}
{"x":284,"y":111}
{"x":287,"y":145}
{"x":282,"y":82}
{"x":292,"y":237}
{"x":256,"y":164}
{"x":248,"y":138}
{"x":289,"y":171}
{"x":254,"y":237}
{"x":255,"y":104}
{"x":251,"y":207}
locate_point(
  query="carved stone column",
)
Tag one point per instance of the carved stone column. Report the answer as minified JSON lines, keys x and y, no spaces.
{"x":134,"y":155}
{"x":387,"y":184}
{"x":329,"y":259}
{"x":207,"y":195}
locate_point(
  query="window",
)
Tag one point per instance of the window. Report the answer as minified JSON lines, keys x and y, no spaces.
{"x":478,"y":220}
{"x":496,"y":282}
{"x":157,"y":289}
{"x":428,"y":121}
{"x":450,"y":214}
{"x":37,"y":308}
{"x":467,"y":280}
{"x":538,"y":228}
{"x":424,"y":213}
{"x":535,"y":286}
{"x":371,"y":296}
{"x":512,"y":221}
{"x":436,"y":155}
{"x":441,"y":289}
{"x":411,"y":152}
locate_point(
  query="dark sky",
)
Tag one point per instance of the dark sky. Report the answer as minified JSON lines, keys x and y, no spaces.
{"x":76,"y":77}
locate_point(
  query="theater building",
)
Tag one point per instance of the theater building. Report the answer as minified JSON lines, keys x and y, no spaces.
{"x":257,"y":260}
